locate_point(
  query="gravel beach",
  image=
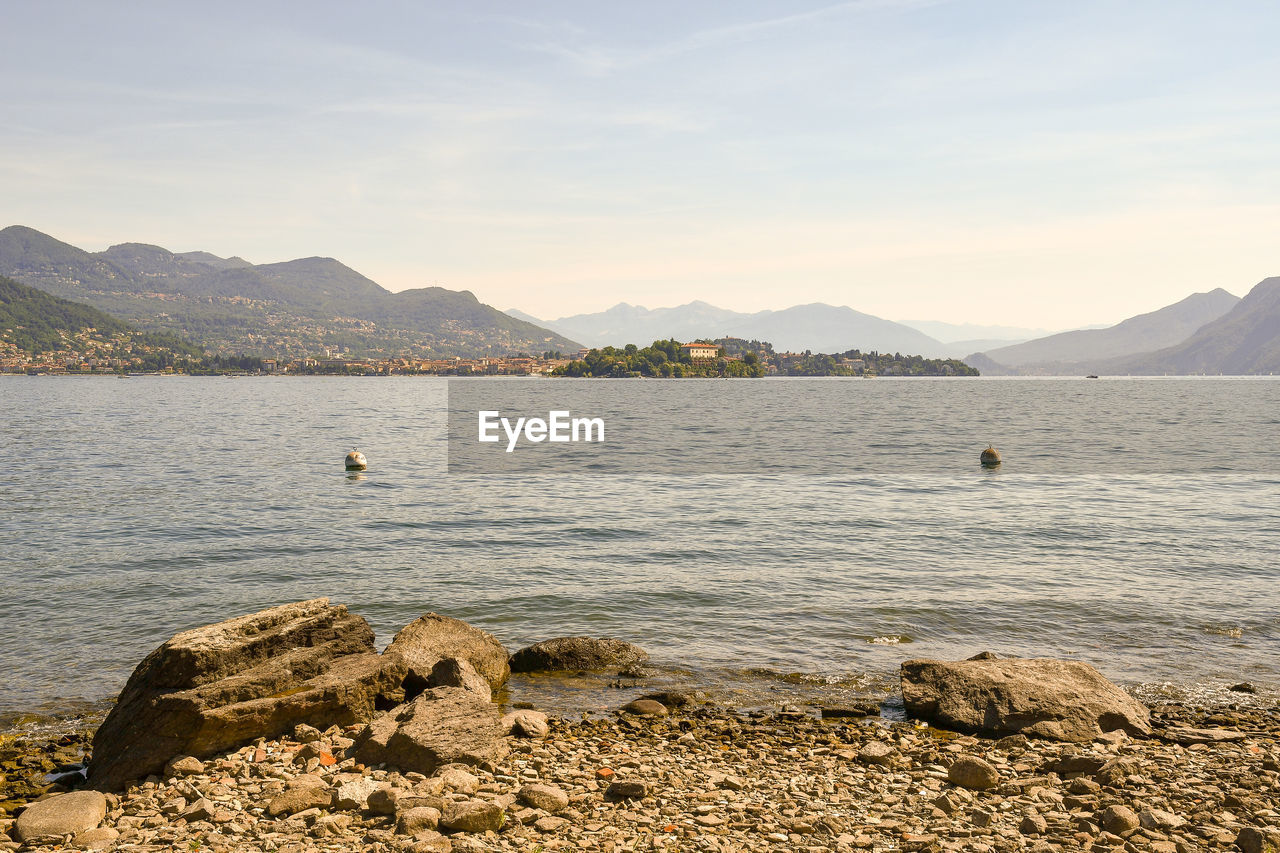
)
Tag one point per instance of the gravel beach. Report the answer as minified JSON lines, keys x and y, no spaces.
{"x":702,"y":778}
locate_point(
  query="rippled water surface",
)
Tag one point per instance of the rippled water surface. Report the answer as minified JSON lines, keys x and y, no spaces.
{"x":1133,"y":525}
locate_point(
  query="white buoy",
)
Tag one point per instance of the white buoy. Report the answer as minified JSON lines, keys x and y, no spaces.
{"x":356,"y":461}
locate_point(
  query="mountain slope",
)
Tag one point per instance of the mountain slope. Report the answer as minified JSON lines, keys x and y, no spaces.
{"x":34,"y":322}
{"x":289,"y":309}
{"x":1143,"y":333}
{"x":1246,"y":340}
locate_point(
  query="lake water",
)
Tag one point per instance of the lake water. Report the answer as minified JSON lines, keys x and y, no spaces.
{"x":834,"y":529}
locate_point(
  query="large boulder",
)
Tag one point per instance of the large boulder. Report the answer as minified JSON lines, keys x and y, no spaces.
{"x":443,"y":725}
{"x":59,"y":815}
{"x":1039,"y":697}
{"x":430,"y":639}
{"x":571,"y":654}
{"x":218,"y":687}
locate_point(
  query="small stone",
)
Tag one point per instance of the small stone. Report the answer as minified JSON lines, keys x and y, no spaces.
{"x":383,"y":800}
{"x":1119,"y":820}
{"x":183,"y":765}
{"x":472,"y":816}
{"x":526,"y":723}
{"x":549,"y":798}
{"x":550,"y":823}
{"x":876,"y":753}
{"x":429,"y":842}
{"x":1016,"y":741}
{"x":982,"y":817}
{"x":972,"y":772}
{"x":304,"y":733}
{"x":947,"y":804}
{"x":414,"y":821}
{"x":455,"y":779}
{"x":627,"y":790}
{"x":297,"y":799}
{"x":201,"y":809}
{"x":354,"y":795}
{"x":332,"y":824}
{"x":1160,"y":820}
{"x":1083,"y":786}
{"x":1033,"y":824}
{"x":645,"y":708}
{"x":96,"y":839}
{"x":1243,"y":687}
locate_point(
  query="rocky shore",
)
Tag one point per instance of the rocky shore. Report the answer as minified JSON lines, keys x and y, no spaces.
{"x":442,"y":769}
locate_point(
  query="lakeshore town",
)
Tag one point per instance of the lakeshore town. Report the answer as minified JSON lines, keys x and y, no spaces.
{"x":731,"y":357}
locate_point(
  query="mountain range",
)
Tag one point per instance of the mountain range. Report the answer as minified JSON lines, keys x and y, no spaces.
{"x":305,"y":306}
{"x":288,"y":309}
{"x":816,"y":327}
{"x":1087,"y":350}
{"x":1209,"y":333}
{"x":1244,"y":340}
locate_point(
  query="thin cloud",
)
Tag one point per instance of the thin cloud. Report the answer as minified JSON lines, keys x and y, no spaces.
{"x":599,"y":60}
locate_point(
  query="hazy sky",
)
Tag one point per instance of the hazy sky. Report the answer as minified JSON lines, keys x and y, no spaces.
{"x":1029,"y":163}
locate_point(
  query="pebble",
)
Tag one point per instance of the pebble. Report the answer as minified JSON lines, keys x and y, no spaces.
{"x":709,"y":780}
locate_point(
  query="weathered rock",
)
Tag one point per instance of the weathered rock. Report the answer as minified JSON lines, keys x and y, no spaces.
{"x":452,"y":672}
{"x":1119,"y":820}
{"x":969,"y":771}
{"x":63,"y":814}
{"x":300,"y":798}
{"x":330,"y":825}
{"x":549,"y":798}
{"x":354,"y":795}
{"x":457,"y":779}
{"x":96,"y":839}
{"x":217,"y":687}
{"x":304,"y":733}
{"x":472,"y":816}
{"x":444,"y":725}
{"x":571,"y":654}
{"x":1114,"y":771}
{"x":876,"y":753}
{"x":383,"y":800}
{"x":416,"y":820}
{"x":429,"y":842}
{"x":645,"y":708}
{"x":1188,"y":736}
{"x":1033,"y":824}
{"x":1251,"y":839}
{"x":183,"y":765}
{"x":201,"y":809}
{"x":429,"y":639}
{"x":627,"y":790}
{"x":525,"y":723}
{"x":1058,"y":700}
{"x":1160,"y":820}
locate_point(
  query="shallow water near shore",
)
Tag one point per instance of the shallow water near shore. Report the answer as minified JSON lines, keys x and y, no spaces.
{"x":133,"y":510}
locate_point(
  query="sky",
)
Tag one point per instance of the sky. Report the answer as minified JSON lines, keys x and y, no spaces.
{"x":1046,"y":164}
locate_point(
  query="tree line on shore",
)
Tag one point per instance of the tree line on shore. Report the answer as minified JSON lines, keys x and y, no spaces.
{"x":740,"y":358}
